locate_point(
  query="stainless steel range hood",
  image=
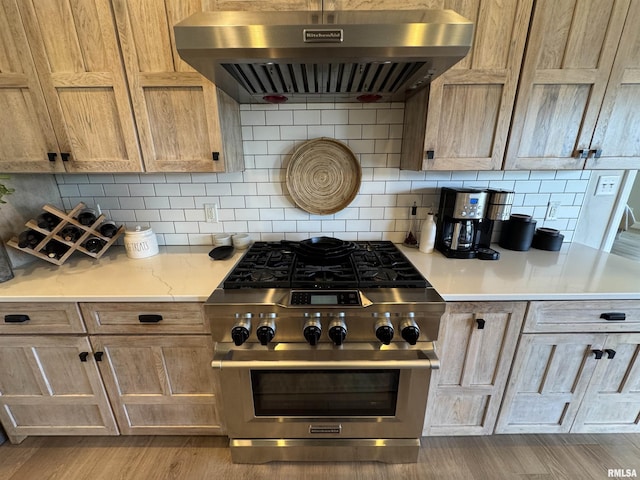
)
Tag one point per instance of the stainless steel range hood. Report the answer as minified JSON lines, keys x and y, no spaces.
{"x":344,"y":56}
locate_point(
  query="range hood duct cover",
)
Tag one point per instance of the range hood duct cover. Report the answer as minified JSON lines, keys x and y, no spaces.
{"x":323,"y":57}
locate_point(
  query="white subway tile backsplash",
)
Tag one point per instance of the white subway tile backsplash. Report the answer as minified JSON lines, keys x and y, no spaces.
{"x":256,"y":200}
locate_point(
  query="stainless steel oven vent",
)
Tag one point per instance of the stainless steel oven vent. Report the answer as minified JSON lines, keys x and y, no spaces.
{"x":317,"y":57}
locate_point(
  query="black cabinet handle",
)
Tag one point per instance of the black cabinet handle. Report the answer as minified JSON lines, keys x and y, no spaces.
{"x":598,"y":354}
{"x":614,"y":316}
{"x":582,"y":153}
{"x":215,"y":156}
{"x":431,"y":154}
{"x":597,"y":152}
{"x":480,"y":322}
{"x":65,"y":157}
{"x":149,"y":318}
{"x":98,"y":356}
{"x":52,"y":156}
{"x":16,"y":318}
{"x":610,"y":353}
{"x":83,"y":356}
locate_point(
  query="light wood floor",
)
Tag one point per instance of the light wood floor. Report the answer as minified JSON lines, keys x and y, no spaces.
{"x":508,"y":457}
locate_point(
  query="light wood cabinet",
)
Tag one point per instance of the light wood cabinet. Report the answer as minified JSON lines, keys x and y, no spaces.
{"x":476,"y":344}
{"x":28,"y":136}
{"x":30,"y":318}
{"x":50,"y":385}
{"x":160,"y":385}
{"x":158,"y":378}
{"x":185,"y":123}
{"x":462,"y":121}
{"x":612,"y":399}
{"x":75,"y":53}
{"x":549,"y":377}
{"x":575,"y":382}
{"x":574,"y":102}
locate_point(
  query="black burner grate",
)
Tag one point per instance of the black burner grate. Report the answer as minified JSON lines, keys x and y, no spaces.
{"x":372,"y":265}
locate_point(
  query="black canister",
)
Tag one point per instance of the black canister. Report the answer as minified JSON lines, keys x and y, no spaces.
{"x":517,"y":232}
{"x":547,"y":239}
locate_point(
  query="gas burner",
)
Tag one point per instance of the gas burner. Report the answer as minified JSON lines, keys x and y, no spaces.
{"x":262,"y":275}
{"x":324,"y":273}
{"x":387,"y":274}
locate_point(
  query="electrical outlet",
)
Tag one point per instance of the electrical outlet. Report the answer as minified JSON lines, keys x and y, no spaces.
{"x":607,"y":185}
{"x":552,"y":210}
{"x":211,"y":212}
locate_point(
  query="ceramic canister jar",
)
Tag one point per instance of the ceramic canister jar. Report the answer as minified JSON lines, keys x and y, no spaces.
{"x":141,"y":242}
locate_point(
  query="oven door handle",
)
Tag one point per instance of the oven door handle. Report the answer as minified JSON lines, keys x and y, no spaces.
{"x":224,"y":360}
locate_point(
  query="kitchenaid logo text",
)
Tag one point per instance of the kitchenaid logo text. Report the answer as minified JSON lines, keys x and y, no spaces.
{"x":622,"y":473}
{"x":311,"y":36}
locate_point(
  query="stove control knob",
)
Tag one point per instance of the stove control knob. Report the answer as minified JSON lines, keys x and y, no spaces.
{"x":409,"y":329}
{"x":384,"y":329}
{"x":241,"y":329}
{"x":338,"y":330}
{"x":312,"y":330}
{"x":266,"y":331}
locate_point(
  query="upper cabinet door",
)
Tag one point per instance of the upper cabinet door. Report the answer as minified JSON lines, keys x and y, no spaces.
{"x":184,"y":122}
{"x":28,"y":137}
{"x":616,"y":141}
{"x":570,"y":52}
{"x":469,"y":106}
{"x":76,"y":55}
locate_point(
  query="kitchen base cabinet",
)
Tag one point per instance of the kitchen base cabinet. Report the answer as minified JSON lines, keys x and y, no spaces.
{"x":549,"y":378}
{"x":477,"y":342}
{"x":575,"y":382}
{"x":612,"y":399}
{"x":50,"y":385}
{"x":160,"y":384}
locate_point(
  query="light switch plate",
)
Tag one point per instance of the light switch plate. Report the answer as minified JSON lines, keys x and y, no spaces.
{"x":607,"y":185}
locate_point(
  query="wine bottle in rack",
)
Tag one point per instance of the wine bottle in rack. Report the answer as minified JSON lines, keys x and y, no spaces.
{"x":55,"y":250}
{"x":70,"y":233}
{"x":47,"y":221}
{"x":94,"y":244}
{"x":87,"y":216}
{"x":108,"y":228}
{"x":29,"y":239}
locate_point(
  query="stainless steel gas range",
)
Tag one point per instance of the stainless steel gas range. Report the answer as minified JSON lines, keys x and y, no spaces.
{"x":325,"y":351}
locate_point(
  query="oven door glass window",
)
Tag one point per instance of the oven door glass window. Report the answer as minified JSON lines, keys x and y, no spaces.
{"x":327,"y":393}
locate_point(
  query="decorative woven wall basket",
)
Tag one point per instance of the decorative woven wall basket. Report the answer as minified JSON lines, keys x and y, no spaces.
{"x":323,"y":176}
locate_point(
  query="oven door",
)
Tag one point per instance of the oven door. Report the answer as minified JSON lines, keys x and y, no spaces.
{"x":293,"y":391}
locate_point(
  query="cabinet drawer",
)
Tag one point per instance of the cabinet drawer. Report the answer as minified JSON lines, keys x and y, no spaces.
{"x":583,"y":316}
{"x":30,"y":318}
{"x":147,"y":318}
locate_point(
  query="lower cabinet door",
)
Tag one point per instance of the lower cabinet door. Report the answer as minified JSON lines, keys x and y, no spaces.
{"x":612,"y":401}
{"x":50,"y":385}
{"x":160,"y":384}
{"x":550,"y":375}
{"x":476,"y":346}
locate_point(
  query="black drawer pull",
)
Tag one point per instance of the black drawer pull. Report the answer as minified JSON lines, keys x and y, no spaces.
{"x":610,"y":353}
{"x":614,"y":316}
{"x":480,"y":322}
{"x":598,"y":354}
{"x":98,"y":356}
{"x":16,"y":318}
{"x":83,"y":356}
{"x":149,"y":318}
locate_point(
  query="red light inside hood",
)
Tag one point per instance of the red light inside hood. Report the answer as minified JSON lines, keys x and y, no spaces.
{"x":275,"y":98}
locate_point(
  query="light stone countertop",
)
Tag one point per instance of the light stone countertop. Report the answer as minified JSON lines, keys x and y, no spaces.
{"x":181,"y":274}
{"x":187,"y":274}
{"x":576,"y":272}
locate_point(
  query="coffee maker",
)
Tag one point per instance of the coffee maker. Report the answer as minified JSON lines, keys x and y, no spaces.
{"x":499,"y":204}
{"x":460,"y":215}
